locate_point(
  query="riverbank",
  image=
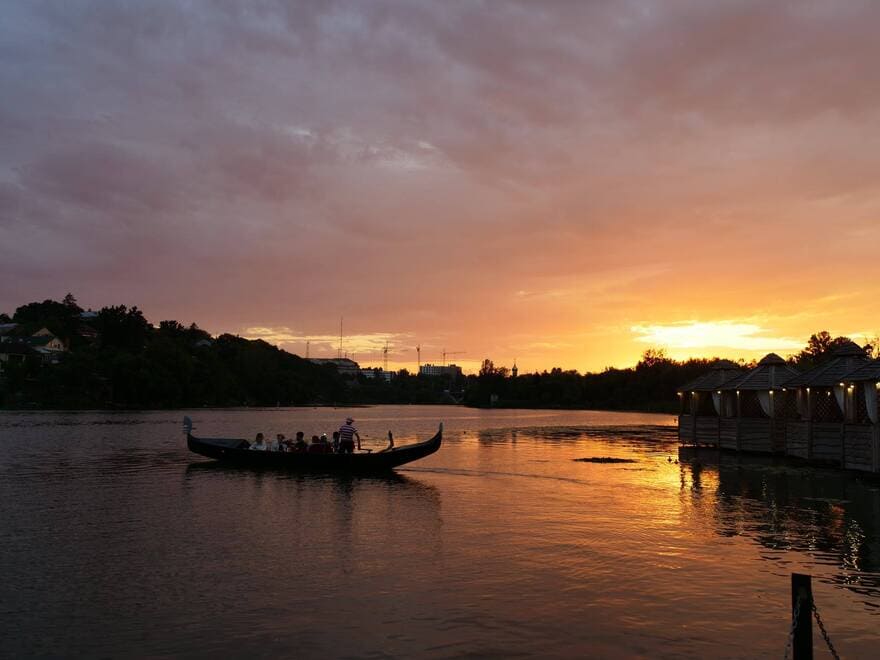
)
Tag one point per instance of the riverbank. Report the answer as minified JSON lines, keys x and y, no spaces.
{"x":661,"y":409}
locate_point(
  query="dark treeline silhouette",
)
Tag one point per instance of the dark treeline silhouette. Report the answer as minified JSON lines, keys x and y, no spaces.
{"x":116,"y":358}
{"x":649,"y":386}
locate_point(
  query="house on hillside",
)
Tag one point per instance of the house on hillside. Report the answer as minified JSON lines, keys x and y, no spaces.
{"x":45,"y":340}
{"x":47,"y":345}
{"x":6,"y":330}
{"x":87,"y":332}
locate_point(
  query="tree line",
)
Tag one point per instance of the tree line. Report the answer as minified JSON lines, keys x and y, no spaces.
{"x":651,"y":385}
{"x":117,"y":358}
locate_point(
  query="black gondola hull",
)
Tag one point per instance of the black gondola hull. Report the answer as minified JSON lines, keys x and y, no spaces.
{"x":229,"y":451}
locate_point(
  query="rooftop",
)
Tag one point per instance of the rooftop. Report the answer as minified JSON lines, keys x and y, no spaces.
{"x":771,"y":373}
{"x":869,"y":371}
{"x":719,"y":373}
{"x":843,"y":360}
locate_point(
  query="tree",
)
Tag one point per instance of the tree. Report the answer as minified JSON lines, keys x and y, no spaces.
{"x":653,"y":357}
{"x":60,"y":319}
{"x":124,"y":328}
{"x":818,"y":346}
{"x":487,"y":368}
{"x":70,"y":302}
{"x":5,"y":318}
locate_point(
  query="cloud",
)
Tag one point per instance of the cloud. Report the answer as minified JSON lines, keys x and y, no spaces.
{"x":410,"y":164}
{"x":368,"y":346}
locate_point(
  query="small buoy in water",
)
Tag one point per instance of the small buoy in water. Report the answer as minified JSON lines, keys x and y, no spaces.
{"x":669,"y":458}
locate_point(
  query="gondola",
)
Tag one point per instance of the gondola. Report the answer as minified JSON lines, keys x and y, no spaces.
{"x":234,"y":451}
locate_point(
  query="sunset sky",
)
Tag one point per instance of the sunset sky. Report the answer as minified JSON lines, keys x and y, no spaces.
{"x":560,"y":183}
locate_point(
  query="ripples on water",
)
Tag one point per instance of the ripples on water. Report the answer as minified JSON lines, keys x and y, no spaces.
{"x":116,"y":541}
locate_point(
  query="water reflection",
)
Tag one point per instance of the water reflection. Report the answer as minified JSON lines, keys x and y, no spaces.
{"x":829,"y":515}
{"x":501,"y":544}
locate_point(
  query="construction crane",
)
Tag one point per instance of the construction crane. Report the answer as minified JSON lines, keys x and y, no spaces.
{"x":445,"y":353}
{"x":419,"y":358}
{"x":385,"y":357}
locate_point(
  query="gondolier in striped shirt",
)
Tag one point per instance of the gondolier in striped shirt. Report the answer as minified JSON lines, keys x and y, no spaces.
{"x":347,"y":434}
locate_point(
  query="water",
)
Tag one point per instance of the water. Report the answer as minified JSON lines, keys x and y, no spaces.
{"x":116,"y":541}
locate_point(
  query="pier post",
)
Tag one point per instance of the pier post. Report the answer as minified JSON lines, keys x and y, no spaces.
{"x":802,"y":590}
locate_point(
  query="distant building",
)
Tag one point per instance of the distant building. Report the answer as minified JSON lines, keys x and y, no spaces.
{"x":514,"y":372}
{"x":87,"y":332}
{"x":452,"y":370}
{"x":88,"y":315}
{"x":344,"y":366}
{"x":44,"y":341}
{"x":378,"y":373}
{"x":6,"y":330}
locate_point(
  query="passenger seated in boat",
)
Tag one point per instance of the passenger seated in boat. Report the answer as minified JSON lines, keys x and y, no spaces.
{"x":299,"y":444}
{"x":319,"y":445}
{"x":347,"y":434}
{"x":335,"y":443}
{"x":259,"y":443}
{"x":275,"y":445}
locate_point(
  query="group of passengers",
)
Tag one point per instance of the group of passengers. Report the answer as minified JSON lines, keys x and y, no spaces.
{"x":343,"y":442}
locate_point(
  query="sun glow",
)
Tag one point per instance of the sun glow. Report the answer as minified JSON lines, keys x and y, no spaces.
{"x":712,"y":334}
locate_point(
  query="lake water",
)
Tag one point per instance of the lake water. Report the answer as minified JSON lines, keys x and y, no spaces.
{"x":117,"y":541}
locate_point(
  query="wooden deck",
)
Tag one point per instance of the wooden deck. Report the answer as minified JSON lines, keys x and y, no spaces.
{"x":849,"y":446}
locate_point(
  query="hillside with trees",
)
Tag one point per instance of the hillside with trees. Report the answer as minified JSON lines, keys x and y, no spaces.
{"x":116,"y":358}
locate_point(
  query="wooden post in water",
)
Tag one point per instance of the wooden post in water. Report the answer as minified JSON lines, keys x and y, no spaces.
{"x":802,"y":644}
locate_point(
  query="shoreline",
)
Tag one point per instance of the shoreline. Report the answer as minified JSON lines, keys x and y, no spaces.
{"x":648,"y":410}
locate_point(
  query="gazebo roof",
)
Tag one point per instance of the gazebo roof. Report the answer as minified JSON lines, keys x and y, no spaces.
{"x":869,"y":371}
{"x":772,"y":373}
{"x":719,"y":373}
{"x":843,"y":360}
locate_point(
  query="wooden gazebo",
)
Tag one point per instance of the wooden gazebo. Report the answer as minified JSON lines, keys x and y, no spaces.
{"x":820,"y":398}
{"x":700,"y":406}
{"x":753,"y":407}
{"x":861,"y":434}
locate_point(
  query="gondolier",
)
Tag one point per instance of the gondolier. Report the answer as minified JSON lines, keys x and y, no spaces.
{"x":347,"y":434}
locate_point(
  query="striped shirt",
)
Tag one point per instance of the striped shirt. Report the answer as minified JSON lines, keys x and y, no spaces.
{"x":346,"y":433}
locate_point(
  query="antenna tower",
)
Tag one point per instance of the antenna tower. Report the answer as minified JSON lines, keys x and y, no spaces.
{"x":339,"y":352}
